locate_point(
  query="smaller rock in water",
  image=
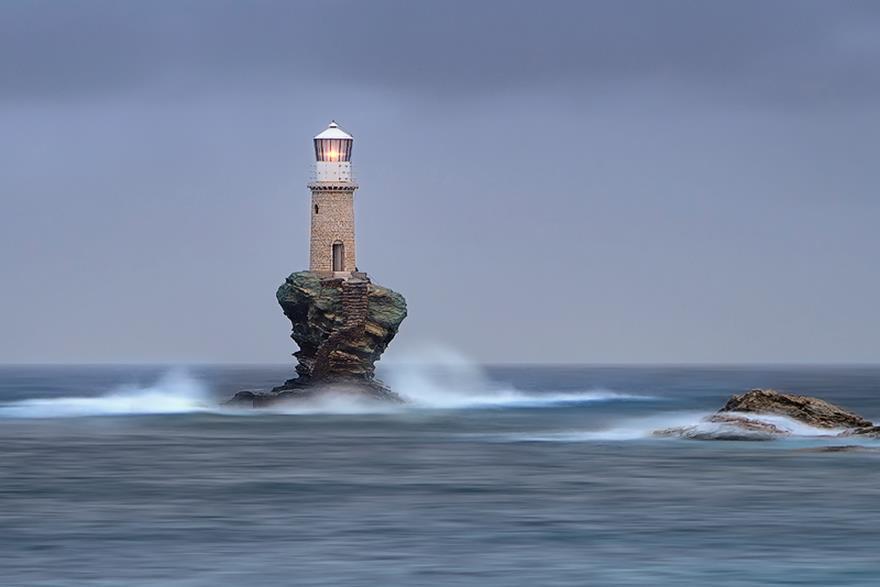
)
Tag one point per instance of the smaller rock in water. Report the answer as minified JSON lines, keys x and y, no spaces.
{"x":734,"y":420}
{"x":809,"y":410}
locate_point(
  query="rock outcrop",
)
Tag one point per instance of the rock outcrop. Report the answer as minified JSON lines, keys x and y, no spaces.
{"x":342,"y":328}
{"x":809,"y":410}
{"x":755,"y":415}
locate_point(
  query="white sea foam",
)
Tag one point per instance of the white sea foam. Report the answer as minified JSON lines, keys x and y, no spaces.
{"x":440,"y":378}
{"x":427,"y":377}
{"x":624,"y":429}
{"x":793,"y":427}
{"x":697,"y":423}
{"x":174,"y":393}
{"x":437,"y":378}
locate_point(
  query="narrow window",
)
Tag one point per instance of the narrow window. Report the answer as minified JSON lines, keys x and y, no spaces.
{"x":316,"y":208}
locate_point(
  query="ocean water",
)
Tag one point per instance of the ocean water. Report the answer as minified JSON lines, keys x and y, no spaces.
{"x":527,"y":475}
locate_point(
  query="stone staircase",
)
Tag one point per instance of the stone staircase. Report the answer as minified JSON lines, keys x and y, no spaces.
{"x":354,"y":302}
{"x":355,"y":306}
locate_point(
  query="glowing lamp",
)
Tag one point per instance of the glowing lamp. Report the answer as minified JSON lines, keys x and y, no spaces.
{"x":333,"y":144}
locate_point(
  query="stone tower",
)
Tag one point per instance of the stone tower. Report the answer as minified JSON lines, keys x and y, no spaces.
{"x":332,"y":246}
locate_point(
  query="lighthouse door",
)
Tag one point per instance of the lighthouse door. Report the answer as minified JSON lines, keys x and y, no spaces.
{"x":338,"y":257}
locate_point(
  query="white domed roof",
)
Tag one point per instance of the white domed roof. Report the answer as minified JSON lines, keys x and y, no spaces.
{"x":333,"y":132}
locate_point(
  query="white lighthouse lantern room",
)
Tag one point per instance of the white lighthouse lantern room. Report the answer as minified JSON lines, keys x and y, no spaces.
{"x":332,"y":244}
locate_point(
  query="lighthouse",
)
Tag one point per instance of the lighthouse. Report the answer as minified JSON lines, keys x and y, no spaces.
{"x":332,"y":245}
{"x":340,"y":319}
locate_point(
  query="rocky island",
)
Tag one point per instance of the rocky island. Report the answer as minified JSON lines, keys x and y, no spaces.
{"x":766,"y":414}
{"x":342,"y":327}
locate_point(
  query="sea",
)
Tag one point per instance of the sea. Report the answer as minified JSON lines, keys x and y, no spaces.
{"x":136,"y":476}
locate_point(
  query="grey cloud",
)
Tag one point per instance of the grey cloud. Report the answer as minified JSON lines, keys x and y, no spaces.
{"x":771,"y":50}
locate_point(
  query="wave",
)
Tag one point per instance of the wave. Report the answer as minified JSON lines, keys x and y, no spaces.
{"x":439,"y":399}
{"x":511,"y":398}
{"x":178,"y":393}
{"x":627,"y":429}
{"x":695,"y":422}
{"x":174,"y":393}
{"x":439,"y":378}
{"x":430,"y":379}
{"x":425,"y":394}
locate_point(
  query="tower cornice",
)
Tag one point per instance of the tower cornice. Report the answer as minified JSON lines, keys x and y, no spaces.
{"x":332,"y":186}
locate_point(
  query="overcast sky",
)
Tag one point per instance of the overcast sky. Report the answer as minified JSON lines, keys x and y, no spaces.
{"x":592,"y":182}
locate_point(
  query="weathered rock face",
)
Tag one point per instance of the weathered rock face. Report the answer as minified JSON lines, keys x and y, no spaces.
{"x":342,"y":328}
{"x":809,"y":410}
{"x":741,"y":418}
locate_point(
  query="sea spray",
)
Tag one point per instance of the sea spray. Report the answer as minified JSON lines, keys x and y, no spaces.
{"x":437,"y":376}
{"x":175,"y":392}
{"x":433,"y":376}
{"x":692,"y":424}
{"x":429,"y":378}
